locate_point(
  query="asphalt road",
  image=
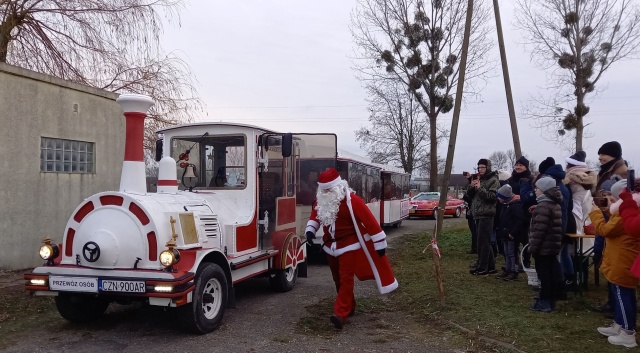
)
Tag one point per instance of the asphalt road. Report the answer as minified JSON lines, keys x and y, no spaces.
{"x":263,"y":321}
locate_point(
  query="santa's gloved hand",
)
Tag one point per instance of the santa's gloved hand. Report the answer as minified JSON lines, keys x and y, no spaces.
{"x":381,"y":252}
{"x":310,"y":237}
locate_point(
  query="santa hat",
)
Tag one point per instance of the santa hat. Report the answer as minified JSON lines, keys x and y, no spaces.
{"x":577,"y":159}
{"x":328,"y":179}
{"x":544,"y":165}
{"x":612,"y":149}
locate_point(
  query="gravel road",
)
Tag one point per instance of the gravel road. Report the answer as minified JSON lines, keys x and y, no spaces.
{"x":263,"y":321}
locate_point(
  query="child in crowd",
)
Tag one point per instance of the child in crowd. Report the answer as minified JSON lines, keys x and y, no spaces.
{"x":619,"y":254}
{"x":545,"y":241}
{"x":509,"y":228}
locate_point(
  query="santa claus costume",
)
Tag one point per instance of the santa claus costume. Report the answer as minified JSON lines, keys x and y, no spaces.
{"x":351,"y":251}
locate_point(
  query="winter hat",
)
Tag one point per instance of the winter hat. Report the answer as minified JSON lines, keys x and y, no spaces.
{"x":505,"y":192}
{"x":607,"y":184}
{"x":612,"y":149}
{"x":485,"y":162}
{"x":503,"y":175}
{"x":328,"y":179}
{"x":524,"y":161}
{"x":545,"y":183}
{"x":617,"y":188}
{"x":544,"y":165}
{"x":577,"y":159}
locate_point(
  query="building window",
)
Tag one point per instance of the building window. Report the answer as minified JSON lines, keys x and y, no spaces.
{"x":66,"y":156}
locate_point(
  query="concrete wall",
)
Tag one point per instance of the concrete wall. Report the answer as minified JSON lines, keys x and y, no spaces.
{"x":34,"y":203}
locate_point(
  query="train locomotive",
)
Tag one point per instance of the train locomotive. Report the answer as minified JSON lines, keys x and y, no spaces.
{"x":225,"y":211}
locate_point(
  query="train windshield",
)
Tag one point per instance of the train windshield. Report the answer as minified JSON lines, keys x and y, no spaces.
{"x":217,"y":161}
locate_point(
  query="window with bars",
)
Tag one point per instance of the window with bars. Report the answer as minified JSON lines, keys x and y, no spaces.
{"x":66,"y":156}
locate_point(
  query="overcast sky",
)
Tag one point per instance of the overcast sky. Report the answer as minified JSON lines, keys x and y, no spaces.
{"x":286,"y":65}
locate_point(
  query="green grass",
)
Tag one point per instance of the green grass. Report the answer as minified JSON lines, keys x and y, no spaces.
{"x":20,"y":312}
{"x":492,"y":308}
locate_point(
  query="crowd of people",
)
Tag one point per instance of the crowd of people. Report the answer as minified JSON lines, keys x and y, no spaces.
{"x":539,"y":212}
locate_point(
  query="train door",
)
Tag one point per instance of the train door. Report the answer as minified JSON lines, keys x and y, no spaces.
{"x":279,"y":179}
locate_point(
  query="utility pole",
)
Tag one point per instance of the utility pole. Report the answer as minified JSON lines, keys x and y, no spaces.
{"x":444,"y":187}
{"x":507,"y":82}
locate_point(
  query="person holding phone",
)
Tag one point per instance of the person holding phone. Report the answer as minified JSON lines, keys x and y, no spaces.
{"x":619,"y":255}
{"x":482,"y":193}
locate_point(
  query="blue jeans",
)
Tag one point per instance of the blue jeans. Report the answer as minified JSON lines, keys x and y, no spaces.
{"x":565,"y":261}
{"x":626,"y":307}
{"x":510,"y":263}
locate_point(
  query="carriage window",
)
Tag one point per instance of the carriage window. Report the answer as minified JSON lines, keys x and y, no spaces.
{"x":219,"y":161}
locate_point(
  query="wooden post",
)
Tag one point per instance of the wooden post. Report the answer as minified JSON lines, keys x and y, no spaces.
{"x":507,"y":82}
{"x":444,"y":188}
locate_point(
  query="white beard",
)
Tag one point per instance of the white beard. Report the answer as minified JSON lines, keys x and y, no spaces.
{"x":329,"y":203}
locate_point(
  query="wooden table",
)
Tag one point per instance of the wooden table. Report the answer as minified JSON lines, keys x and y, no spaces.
{"x":581,"y":261}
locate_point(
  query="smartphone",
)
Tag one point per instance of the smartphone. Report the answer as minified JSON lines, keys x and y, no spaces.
{"x":631,"y":180}
{"x":601,"y":202}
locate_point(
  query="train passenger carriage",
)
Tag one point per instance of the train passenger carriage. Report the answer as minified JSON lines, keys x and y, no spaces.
{"x":384,"y":189}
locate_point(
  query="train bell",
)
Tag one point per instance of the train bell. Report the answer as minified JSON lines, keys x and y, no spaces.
{"x":189,"y":179}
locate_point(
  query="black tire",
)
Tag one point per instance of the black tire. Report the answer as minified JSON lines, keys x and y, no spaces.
{"x":211,"y":287}
{"x":458,"y":213}
{"x":283,"y":280}
{"x":397,"y":225}
{"x":80,"y":308}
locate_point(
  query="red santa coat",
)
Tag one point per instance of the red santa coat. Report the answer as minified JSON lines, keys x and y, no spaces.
{"x":365,"y":240}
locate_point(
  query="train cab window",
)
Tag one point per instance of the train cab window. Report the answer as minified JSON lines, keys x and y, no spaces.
{"x":219,"y":160}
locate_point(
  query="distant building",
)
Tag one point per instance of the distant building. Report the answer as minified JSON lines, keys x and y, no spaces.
{"x":60,"y":142}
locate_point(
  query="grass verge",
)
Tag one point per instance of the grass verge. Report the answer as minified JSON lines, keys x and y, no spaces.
{"x":492,"y":308}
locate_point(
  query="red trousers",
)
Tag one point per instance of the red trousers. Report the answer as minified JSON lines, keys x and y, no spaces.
{"x":343,"y":272}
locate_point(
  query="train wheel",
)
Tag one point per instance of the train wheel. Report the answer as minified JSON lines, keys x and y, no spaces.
{"x":210,"y":296}
{"x":80,"y":308}
{"x":458,"y":213}
{"x":283,"y":280}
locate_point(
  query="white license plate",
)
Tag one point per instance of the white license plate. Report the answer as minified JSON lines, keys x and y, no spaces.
{"x":73,"y":284}
{"x":122,"y":286}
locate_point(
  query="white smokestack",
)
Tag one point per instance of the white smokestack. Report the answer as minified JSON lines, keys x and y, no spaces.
{"x":167,"y":176}
{"x":135,"y":107}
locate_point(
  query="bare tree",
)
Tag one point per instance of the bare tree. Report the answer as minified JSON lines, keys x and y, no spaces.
{"x":418,"y":43}
{"x":426,"y":168}
{"x":507,"y":159}
{"x":398,"y":132}
{"x":499,"y":160}
{"x":578,"y":41}
{"x":108,"y":44}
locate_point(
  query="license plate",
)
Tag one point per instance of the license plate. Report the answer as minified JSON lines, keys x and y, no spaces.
{"x":73,"y":284}
{"x":122,"y":286}
{"x":412,"y":211}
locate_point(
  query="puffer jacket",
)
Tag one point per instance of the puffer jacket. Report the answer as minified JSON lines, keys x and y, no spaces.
{"x":545,"y":233}
{"x":556,"y":172}
{"x":484,"y":199}
{"x":620,"y":249}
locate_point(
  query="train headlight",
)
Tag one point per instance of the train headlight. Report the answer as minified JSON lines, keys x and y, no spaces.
{"x":48,"y":251}
{"x":169,"y":258}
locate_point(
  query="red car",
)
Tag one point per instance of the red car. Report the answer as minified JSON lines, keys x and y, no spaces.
{"x":423,"y":204}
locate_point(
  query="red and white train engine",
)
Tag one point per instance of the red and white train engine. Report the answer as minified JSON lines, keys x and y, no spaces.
{"x":224,"y":211}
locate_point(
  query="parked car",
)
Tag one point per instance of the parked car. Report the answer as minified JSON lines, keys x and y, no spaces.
{"x":424,"y":204}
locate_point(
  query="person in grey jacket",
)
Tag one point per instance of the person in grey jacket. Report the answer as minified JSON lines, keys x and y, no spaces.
{"x":482,"y":192}
{"x":545,"y":240}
